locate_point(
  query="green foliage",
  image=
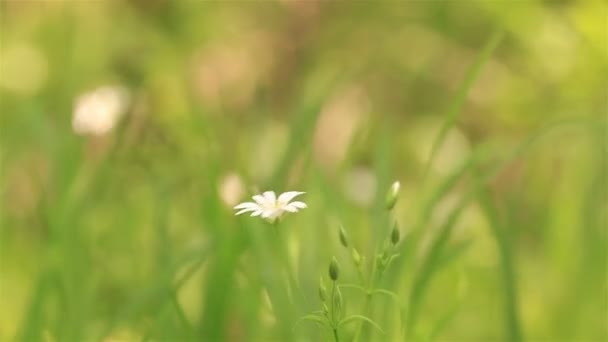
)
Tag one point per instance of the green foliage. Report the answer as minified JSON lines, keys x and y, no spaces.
{"x":490,"y":114}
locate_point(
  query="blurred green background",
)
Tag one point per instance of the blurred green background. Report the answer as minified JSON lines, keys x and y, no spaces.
{"x":491,"y":114}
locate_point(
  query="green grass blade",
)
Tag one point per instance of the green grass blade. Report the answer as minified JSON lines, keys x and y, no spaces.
{"x":506,"y":261}
{"x":353,"y":318}
{"x":429,"y":267}
{"x":457,"y":103}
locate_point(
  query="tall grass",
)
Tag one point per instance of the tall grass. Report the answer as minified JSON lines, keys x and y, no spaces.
{"x":128,"y":236}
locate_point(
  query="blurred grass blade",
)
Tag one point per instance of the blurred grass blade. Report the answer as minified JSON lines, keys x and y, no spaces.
{"x":455,"y":252}
{"x":353,"y":318}
{"x":456,"y":104}
{"x":506,"y":260}
{"x":429,"y":267}
{"x":443,"y":322}
{"x":300,"y":138}
{"x":32,"y":327}
{"x":313,"y":318}
{"x":158,"y":288}
{"x":270,"y":273}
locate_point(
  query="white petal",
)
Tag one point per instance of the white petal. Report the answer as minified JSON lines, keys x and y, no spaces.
{"x":271,"y":213}
{"x":288,"y":196}
{"x":244,"y":211}
{"x":246,"y":205}
{"x":276,"y":213}
{"x":257,"y":213}
{"x":259,"y":199}
{"x":290,"y":208}
{"x":298,"y":204}
{"x":270,"y":196}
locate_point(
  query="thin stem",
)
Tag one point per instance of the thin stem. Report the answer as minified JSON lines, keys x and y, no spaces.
{"x":367,"y":301}
{"x":359,"y":272}
{"x":333,"y":292}
{"x":180,"y":313}
{"x":361,"y":277}
{"x":286,"y":264}
{"x":333,"y":322}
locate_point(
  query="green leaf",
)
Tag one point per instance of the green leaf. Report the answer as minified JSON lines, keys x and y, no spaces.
{"x":353,"y":318}
{"x":457,"y":103}
{"x":386,"y":292}
{"x":429,"y":266}
{"x":313,"y":318}
{"x":391,"y":259}
{"x":454,"y":253}
{"x":505,"y":249}
{"x":352,"y":286}
{"x":443,"y":322}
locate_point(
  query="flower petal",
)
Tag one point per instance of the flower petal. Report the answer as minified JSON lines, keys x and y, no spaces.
{"x":288,"y":196}
{"x":270,"y":196}
{"x":246,"y":205}
{"x":257,"y":212}
{"x":244,"y":211}
{"x":290,"y":208}
{"x":272,"y":213}
{"x":298,"y":204}
{"x":259,"y":199}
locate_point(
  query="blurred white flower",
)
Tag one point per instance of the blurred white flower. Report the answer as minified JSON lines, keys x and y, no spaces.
{"x":97,"y":112}
{"x":359,"y":185}
{"x":268,"y":206}
{"x":340,"y":119}
{"x":231,"y":189}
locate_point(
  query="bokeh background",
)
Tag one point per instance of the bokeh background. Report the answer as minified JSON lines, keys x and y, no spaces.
{"x":491,"y":114}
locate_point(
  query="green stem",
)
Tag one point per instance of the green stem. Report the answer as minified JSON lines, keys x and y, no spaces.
{"x":334,"y":324}
{"x":506,"y":260}
{"x":333,"y":316}
{"x":282,"y":242}
{"x":359,"y":273}
{"x":367,"y":301}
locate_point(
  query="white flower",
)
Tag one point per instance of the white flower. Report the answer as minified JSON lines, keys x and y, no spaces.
{"x":231,"y":189}
{"x":98,"y":111}
{"x":268,"y":206}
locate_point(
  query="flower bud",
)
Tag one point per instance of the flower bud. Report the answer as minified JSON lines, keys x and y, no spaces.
{"x":392,"y":195}
{"x":343,"y":237}
{"x":356,"y":257}
{"x":322,"y":290}
{"x":334,"y":269}
{"x":395,"y":234}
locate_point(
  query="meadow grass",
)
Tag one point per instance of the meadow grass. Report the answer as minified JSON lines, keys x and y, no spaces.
{"x":129,"y":236}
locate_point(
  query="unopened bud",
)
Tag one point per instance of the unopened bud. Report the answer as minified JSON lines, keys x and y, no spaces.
{"x":343,"y":237}
{"x":356,"y":257}
{"x":322,"y":290}
{"x":395,"y":234}
{"x":334,"y":269}
{"x":393,"y":195}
